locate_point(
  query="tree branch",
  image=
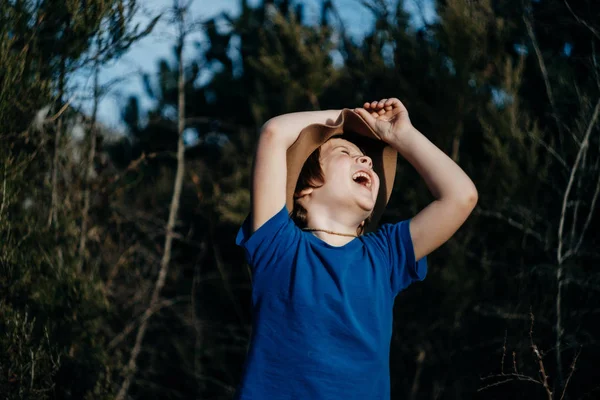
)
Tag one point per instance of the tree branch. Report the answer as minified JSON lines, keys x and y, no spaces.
{"x":581,"y":21}
{"x":570,"y":374}
{"x":415,"y":386}
{"x":590,"y":213}
{"x":164,"y":267}
{"x":582,"y":148}
{"x":511,"y":222}
{"x":550,"y":150}
{"x":511,"y":377}
{"x":544,"y":71}
{"x":538,"y":356}
{"x":141,"y":319}
{"x":3,"y":193}
{"x":89,"y":168}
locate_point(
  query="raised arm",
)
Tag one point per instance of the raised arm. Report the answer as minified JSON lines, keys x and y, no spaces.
{"x":454,"y":192}
{"x":269,"y":172}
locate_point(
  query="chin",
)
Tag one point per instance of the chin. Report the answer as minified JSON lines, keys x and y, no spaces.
{"x":367,"y":207}
{"x":366,"y":203}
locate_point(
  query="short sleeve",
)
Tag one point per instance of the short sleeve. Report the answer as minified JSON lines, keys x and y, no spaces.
{"x":396,"y":242}
{"x":269,"y":243}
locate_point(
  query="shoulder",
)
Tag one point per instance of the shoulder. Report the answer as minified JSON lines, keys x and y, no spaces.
{"x":271,"y":240}
{"x":387,"y":233}
{"x":391,"y":241}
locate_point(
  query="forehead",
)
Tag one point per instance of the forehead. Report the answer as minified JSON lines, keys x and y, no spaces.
{"x":334,"y":143}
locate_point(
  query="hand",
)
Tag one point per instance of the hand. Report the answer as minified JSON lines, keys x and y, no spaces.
{"x":387,"y":117}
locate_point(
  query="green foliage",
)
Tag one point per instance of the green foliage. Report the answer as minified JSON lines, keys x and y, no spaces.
{"x":291,"y":64}
{"x":28,"y":359}
{"x":473,"y":83}
{"x":55,"y":312}
{"x":52,"y":314}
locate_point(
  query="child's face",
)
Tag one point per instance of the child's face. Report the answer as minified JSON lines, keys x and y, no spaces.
{"x":350,"y":181}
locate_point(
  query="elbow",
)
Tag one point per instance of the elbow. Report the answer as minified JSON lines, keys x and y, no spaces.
{"x":268,"y":128}
{"x":463,"y":198}
{"x":274,"y":134}
{"x":268,"y":135}
{"x":469,"y":197}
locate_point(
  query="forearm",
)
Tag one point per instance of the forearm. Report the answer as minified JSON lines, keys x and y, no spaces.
{"x":444,"y":178}
{"x":455,"y":193}
{"x":286,"y":128}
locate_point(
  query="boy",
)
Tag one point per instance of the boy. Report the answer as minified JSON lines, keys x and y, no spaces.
{"x":323,"y":292}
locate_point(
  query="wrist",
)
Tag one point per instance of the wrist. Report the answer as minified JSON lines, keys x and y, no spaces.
{"x":402,"y":140}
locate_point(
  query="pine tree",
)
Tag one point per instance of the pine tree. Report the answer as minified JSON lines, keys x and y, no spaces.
{"x":51,"y":312}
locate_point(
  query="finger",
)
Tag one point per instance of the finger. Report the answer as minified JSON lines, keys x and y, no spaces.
{"x":391,"y":101}
{"x":382,"y":111}
{"x":381,"y":103}
{"x":397,"y":104}
{"x":365,"y":115}
{"x":374,"y":104}
{"x":367,"y":105}
{"x":375,"y":114}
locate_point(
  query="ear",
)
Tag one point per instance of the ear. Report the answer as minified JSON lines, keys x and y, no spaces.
{"x":304,"y":192}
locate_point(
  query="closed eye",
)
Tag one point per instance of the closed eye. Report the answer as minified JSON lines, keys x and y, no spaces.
{"x":345,"y":150}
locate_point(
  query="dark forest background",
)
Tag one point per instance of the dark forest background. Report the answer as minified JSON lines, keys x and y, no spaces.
{"x":119,"y":276}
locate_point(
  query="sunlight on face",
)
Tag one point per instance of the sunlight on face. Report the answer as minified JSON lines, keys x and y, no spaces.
{"x":329,"y":148}
{"x":349,"y":176}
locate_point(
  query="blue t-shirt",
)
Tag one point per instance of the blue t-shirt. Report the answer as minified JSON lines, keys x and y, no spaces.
{"x":322,"y":315}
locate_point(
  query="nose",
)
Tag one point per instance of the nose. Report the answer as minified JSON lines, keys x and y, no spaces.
{"x":366,"y":161}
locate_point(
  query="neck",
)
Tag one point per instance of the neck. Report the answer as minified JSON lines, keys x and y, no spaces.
{"x":336,"y":239}
{"x":333,"y":219}
{"x":353,"y":235}
{"x":335,"y":226}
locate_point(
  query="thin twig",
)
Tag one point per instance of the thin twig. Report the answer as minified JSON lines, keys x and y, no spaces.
{"x":595,"y":62}
{"x":141,"y":319}
{"x":582,"y":148}
{"x":415,"y":386}
{"x":511,"y":222}
{"x":591,"y":212}
{"x":538,"y":356}
{"x":544,"y":71}
{"x":55,"y":165}
{"x":550,"y":150}
{"x":500,"y":313}
{"x":115,"y":269}
{"x":3,"y":193}
{"x":577,"y":201}
{"x":32,"y":370}
{"x":582,"y":22}
{"x":570,"y":374}
{"x":60,"y":112}
{"x":511,"y":378}
{"x":198,"y":327}
{"x":88,"y":168}
{"x":584,"y":284}
{"x":503,"y":353}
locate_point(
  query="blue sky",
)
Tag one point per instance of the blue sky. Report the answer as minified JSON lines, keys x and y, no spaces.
{"x":144,"y":55}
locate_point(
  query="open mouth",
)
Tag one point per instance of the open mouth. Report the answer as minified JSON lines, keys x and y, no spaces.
{"x":362,"y":178}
